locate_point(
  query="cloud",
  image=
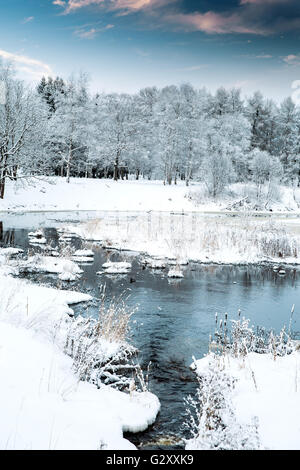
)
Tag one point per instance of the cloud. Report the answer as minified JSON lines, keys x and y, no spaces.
{"x":116,"y":5}
{"x":141,"y":53}
{"x":192,"y":68}
{"x":211,"y":22}
{"x":92,"y":32}
{"x":60,"y":3}
{"x":28,"y":19}
{"x":292,"y":59}
{"x":33,"y":68}
{"x":73,"y":5}
{"x":264,"y":2}
{"x":259,"y":56}
{"x":264,"y":56}
{"x":256,"y":17}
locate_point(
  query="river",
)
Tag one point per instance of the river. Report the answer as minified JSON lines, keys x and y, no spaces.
{"x":174,"y":317}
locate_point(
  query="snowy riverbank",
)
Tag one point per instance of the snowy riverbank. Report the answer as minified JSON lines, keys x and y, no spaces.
{"x":265,"y":397}
{"x":248,"y":393}
{"x":206,"y":239}
{"x":43,"y":404}
{"x":88,"y":194}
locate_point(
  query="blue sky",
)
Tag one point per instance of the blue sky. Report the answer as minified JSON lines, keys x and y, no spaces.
{"x":125,"y":45}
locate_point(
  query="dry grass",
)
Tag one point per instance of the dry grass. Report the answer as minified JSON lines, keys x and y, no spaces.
{"x":195,"y":236}
{"x":88,"y":343}
{"x":114,"y":317}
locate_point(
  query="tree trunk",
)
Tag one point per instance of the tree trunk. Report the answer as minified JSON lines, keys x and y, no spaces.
{"x":69,"y":162}
{"x":15,"y":171}
{"x":116,"y":167}
{"x":2,"y":187}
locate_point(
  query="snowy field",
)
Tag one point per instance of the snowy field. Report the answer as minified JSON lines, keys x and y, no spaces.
{"x":44,"y":194}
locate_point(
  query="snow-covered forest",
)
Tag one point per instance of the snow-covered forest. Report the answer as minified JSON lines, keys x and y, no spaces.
{"x":173,"y":133}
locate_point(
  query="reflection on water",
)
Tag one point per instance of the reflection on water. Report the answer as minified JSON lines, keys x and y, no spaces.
{"x":175,"y":319}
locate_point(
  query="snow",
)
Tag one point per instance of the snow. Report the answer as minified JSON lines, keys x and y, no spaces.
{"x":43,"y":405}
{"x":155,"y":263}
{"x":50,"y":264}
{"x":93,"y":194}
{"x":175,"y":239}
{"x":67,"y":276}
{"x":36,"y":234}
{"x":21,"y":301}
{"x":87,"y":194}
{"x":121,"y":267}
{"x":275,"y":401}
{"x":84,"y":253}
{"x":37,"y":241}
{"x":83,"y":259}
{"x":175,"y":273}
{"x":10,"y":251}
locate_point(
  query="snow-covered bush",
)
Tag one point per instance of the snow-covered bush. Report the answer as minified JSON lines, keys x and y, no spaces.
{"x":211,"y":418}
{"x":242,"y":339}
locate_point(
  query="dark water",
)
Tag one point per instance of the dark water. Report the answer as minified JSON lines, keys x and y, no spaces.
{"x":176,"y":317}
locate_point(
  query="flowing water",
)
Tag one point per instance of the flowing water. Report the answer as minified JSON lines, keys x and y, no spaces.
{"x":175,"y":317}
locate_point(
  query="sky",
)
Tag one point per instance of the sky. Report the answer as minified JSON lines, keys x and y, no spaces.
{"x":125,"y":45}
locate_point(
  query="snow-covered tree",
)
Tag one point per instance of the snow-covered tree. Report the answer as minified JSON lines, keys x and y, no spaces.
{"x":289,"y":140}
{"x":266,"y":170}
{"x":69,"y":124}
{"x":23,"y":119}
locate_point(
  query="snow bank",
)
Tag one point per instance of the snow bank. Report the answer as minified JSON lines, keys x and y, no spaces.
{"x":10,"y":251}
{"x":43,"y":406}
{"x":267,"y":389}
{"x":39,"y":307}
{"x":50,"y":264}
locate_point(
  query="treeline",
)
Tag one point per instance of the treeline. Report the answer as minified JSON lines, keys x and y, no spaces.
{"x":177,"y":132}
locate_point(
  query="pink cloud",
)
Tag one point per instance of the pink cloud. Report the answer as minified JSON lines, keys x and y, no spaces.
{"x":129,"y":5}
{"x":250,"y":16}
{"x":211,"y":22}
{"x":262,"y":2}
{"x":292,"y":59}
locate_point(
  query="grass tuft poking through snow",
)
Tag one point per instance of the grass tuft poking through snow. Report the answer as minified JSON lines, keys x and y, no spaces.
{"x":247,"y":396}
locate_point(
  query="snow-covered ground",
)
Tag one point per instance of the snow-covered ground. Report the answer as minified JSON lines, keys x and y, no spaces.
{"x":194,"y":237}
{"x":266,"y":389}
{"x":94,"y":194}
{"x":43,"y":404}
{"x":54,"y":194}
{"x":173,"y":221}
